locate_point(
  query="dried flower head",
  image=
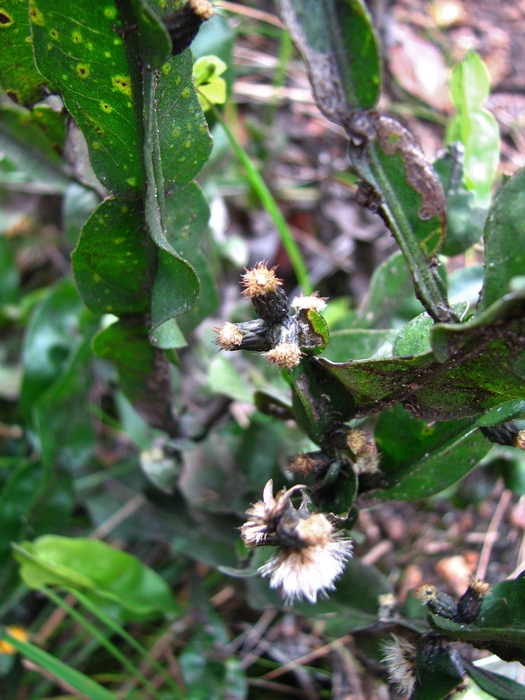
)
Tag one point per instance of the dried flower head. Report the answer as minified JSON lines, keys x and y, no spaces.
{"x":314,"y":301}
{"x":311,"y":555}
{"x":260,"y":281}
{"x":202,"y":8}
{"x":265,"y":516}
{"x":285,"y":355}
{"x":478,"y":586}
{"x":228,"y":337}
{"x":400,"y":657}
{"x":437,"y":602}
{"x":469,"y":605}
{"x":426,"y":593}
{"x":356,"y":441}
{"x":309,"y":463}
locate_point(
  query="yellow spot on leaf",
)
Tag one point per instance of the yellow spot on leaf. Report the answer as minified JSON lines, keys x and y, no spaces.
{"x":187,"y":144}
{"x":175,"y":133}
{"x":122,"y":83}
{"x":96,"y":145}
{"x":110,"y":12}
{"x":107,"y":54}
{"x":83,"y":70}
{"x":185,"y":93}
{"x":132,"y":181}
{"x":54,"y":34}
{"x":36,"y":15}
{"x":117,"y":41}
{"x":166,"y":68}
{"x":97,"y":278}
{"x":106,"y":108}
{"x":5,"y":19}
{"x":77,"y":37}
{"x":118,"y":241}
{"x":124,"y":210}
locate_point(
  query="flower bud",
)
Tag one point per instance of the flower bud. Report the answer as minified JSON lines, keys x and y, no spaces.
{"x":469,"y":605}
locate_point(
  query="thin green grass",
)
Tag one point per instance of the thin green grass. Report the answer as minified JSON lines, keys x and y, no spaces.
{"x":269,"y":203}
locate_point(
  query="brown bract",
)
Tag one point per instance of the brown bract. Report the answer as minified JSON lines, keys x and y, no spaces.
{"x":260,"y":281}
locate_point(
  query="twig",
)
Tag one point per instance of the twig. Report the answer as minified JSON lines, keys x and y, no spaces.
{"x":251,"y":13}
{"x":307,"y":657}
{"x":492,"y":533}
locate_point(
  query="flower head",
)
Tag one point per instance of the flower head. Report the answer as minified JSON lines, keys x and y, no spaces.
{"x":313,"y":301}
{"x":400,"y":657}
{"x":260,"y":281}
{"x":228,"y":337}
{"x":308,"y":570}
{"x":264,"y":516}
{"x":202,"y":8}
{"x":311,"y":555}
{"x":285,"y":355}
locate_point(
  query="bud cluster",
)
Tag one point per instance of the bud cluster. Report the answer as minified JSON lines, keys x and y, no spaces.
{"x":466,"y":610}
{"x":281,"y":336}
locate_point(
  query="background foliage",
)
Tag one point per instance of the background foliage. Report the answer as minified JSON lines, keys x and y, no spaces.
{"x":121,"y":422}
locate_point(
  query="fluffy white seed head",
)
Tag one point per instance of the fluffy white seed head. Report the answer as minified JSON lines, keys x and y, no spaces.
{"x":309,"y":571}
{"x":400,"y":657}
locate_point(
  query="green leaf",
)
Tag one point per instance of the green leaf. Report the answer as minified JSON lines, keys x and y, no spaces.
{"x":100,"y":571}
{"x":495,"y":684}
{"x":318,"y":402}
{"x":360,"y":344}
{"x":85,"y":58}
{"x":470,"y":83}
{"x":341,"y":51}
{"x":206,"y":72}
{"x":473,"y":367}
{"x":474,"y":126}
{"x":390,"y":287}
{"x":465,"y":218}
{"x":78,"y":205}
{"x":64,"y":427}
{"x":414,"y":338}
{"x":26,"y":144}
{"x":19,"y":77}
{"x":420,"y":459}
{"x":53,"y":335}
{"x":187,"y":215}
{"x":184,"y":140}
{"x":9,"y":275}
{"x":438,"y":672}
{"x":400,"y":184}
{"x":59,"y":669}
{"x":17,"y":498}
{"x":142,"y":370}
{"x":504,"y":240}
{"x":110,"y":260}
{"x":126,"y":344}
{"x":171,"y":268}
